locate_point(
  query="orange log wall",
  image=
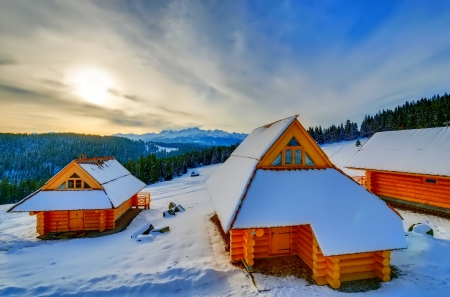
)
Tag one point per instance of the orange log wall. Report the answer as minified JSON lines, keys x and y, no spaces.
{"x":326,"y":270}
{"x":58,"y":221}
{"x":410,"y":188}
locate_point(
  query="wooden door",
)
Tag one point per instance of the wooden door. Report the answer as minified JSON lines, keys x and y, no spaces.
{"x":281,"y":240}
{"x":76,"y":220}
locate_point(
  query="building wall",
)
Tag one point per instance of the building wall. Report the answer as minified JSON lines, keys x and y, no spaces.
{"x":411,"y":189}
{"x":59,"y":221}
{"x":251,"y":244}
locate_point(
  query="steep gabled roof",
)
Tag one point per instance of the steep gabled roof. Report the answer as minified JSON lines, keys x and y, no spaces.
{"x":345,"y":218}
{"x":249,"y":194}
{"x":115,"y":185}
{"x":257,"y":143}
{"x":423,"y":151}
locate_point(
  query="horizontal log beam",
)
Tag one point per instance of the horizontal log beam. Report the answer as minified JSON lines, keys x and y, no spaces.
{"x":358,"y":268}
{"x":357,"y":261}
{"x":334,"y":283}
{"x":357,"y":276}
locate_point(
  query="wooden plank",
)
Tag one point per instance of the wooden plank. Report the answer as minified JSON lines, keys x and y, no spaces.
{"x":381,"y":276}
{"x":334,"y":283}
{"x":381,"y":268}
{"x":237,"y":251}
{"x":381,"y":260}
{"x":357,"y":276}
{"x":237,"y":257}
{"x":355,"y":256}
{"x":332,"y":273}
{"x":357,"y":261}
{"x":357,"y":268}
{"x":319,"y":280}
{"x":262,"y":243}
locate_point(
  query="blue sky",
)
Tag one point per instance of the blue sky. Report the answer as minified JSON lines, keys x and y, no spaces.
{"x":109,"y":67}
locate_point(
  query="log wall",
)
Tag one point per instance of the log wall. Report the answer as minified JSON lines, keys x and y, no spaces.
{"x":411,"y":189}
{"x":58,"y":221}
{"x":248,"y":244}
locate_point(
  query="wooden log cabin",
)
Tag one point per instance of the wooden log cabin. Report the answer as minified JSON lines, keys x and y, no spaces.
{"x":409,"y":167}
{"x":279,"y":194}
{"x":87,"y":194}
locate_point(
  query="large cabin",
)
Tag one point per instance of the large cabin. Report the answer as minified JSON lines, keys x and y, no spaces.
{"x":279,"y":194}
{"x":87,"y":194}
{"x":409,"y":167}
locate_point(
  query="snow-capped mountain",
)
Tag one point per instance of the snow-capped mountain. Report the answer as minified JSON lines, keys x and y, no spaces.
{"x":190,"y":135}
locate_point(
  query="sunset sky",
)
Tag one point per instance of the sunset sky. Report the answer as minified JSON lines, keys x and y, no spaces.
{"x":108,"y":67}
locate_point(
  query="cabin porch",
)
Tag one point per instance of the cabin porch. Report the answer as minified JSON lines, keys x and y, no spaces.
{"x":251,"y":244}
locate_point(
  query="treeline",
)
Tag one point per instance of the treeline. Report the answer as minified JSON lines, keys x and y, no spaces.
{"x":150,"y":169}
{"x":424,"y":113}
{"x":11,"y":192}
{"x":27,"y":161}
{"x":40,"y":156}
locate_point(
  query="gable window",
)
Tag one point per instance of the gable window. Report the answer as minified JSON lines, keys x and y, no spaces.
{"x":277,"y":161}
{"x":293,"y":154}
{"x":74,"y":182}
{"x":308,"y":160}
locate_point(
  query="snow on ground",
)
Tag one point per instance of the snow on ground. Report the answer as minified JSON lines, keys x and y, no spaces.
{"x":189,"y":260}
{"x":166,"y":149}
{"x":341,"y":152}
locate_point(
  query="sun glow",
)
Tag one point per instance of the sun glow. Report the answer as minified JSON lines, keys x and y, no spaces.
{"x":92,"y":84}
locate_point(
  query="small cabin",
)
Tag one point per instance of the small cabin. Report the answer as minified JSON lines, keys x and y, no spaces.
{"x":279,"y":194}
{"x":409,"y":167}
{"x":87,"y":194}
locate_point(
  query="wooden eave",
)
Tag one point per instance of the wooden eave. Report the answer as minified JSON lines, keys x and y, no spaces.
{"x":401,"y":172}
{"x":66,"y":173}
{"x":306,"y":141}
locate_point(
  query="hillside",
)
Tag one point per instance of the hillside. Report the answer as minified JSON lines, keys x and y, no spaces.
{"x":190,"y":135}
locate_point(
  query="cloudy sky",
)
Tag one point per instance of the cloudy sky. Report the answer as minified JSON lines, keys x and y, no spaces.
{"x":109,"y":67}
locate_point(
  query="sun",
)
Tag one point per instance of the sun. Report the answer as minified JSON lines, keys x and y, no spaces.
{"x":92,"y":84}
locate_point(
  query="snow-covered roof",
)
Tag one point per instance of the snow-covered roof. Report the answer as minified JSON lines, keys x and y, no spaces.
{"x":104,"y":171}
{"x":227,"y":185}
{"x":257,"y":143}
{"x":118,"y":183}
{"x":64,"y":200}
{"x":121,"y":189}
{"x":424,"y":151}
{"x":344,"y":216}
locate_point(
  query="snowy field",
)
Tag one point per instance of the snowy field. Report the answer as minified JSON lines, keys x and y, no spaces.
{"x":189,"y":260}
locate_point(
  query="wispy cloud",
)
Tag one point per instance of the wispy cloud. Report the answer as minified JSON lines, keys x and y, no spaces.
{"x":227,"y":65}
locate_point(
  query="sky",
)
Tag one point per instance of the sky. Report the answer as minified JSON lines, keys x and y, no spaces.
{"x":105,"y":67}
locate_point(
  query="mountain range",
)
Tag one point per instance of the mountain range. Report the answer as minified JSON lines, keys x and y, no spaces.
{"x":190,"y":135}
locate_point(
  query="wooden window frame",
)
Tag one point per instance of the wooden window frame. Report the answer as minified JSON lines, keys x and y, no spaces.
{"x":293,"y":148}
{"x":74,"y":180}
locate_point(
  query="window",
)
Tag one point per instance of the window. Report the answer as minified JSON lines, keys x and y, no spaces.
{"x":293,"y":155}
{"x":430,"y":181}
{"x":298,"y":157}
{"x":288,"y":157}
{"x":308,"y":161}
{"x":75,"y":182}
{"x":277,"y":161}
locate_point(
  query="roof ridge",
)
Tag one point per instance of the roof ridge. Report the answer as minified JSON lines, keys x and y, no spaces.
{"x":93,"y":160}
{"x":270,"y":124}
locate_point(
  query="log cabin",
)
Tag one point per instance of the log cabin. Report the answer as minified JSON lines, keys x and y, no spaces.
{"x":279,"y":194}
{"x":87,"y":194}
{"x":409,"y":167}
